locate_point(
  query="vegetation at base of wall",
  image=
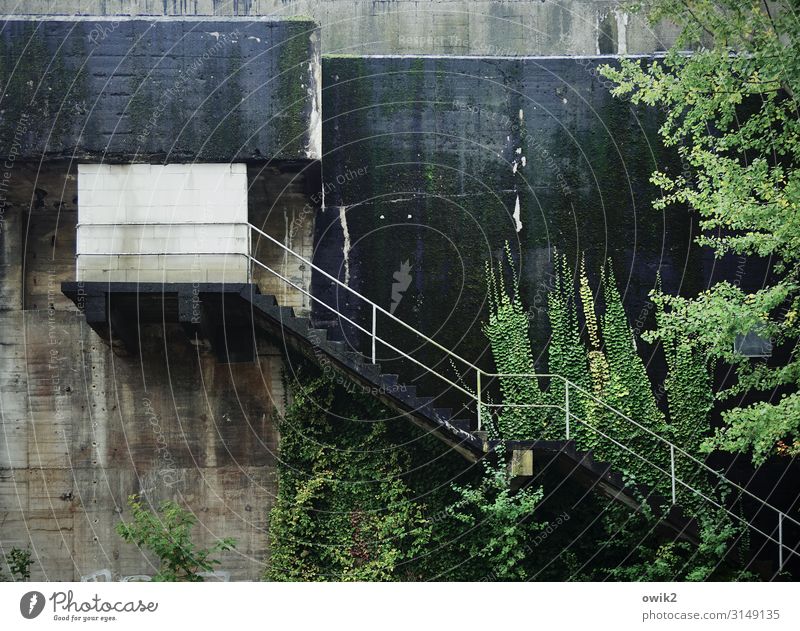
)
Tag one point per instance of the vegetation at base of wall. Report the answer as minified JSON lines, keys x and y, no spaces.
{"x":743,"y":182}
{"x":18,"y":562}
{"x":343,"y":511}
{"x":608,"y":383}
{"x":365,"y":499}
{"x":636,"y":553}
{"x":167,"y":534}
{"x":499,"y":522}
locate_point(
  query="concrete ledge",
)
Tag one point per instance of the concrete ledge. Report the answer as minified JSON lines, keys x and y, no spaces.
{"x":152,"y":89}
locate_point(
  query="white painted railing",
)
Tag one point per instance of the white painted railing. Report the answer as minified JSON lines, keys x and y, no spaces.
{"x":481,"y":376}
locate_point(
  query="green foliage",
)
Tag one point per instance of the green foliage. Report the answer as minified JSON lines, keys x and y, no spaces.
{"x":631,"y":394}
{"x":649,"y":559}
{"x":370,"y":501}
{"x":499,"y":522}
{"x":509,"y":337}
{"x":605,"y":386}
{"x":690,"y":397}
{"x":567,"y":354}
{"x":167,"y":534}
{"x":343,"y":511}
{"x":378,"y":500}
{"x":762,"y":428}
{"x":360,"y":500}
{"x":617,"y":380}
{"x":19,"y":563}
{"x":731,"y":110}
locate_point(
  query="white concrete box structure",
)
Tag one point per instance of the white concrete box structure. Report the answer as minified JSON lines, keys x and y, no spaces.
{"x":163,"y":223}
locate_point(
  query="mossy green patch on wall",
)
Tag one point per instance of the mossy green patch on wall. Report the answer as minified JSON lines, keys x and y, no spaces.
{"x":465,"y":154}
{"x":293,"y":82}
{"x":142,"y":89}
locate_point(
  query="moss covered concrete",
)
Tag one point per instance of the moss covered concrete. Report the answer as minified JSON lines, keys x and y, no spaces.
{"x":451,"y":143}
{"x":144,"y":89}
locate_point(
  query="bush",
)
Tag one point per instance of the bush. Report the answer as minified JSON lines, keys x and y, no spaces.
{"x":167,"y":534}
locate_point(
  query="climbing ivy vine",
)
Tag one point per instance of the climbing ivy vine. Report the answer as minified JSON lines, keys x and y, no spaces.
{"x":343,"y":512}
{"x":567,"y":354}
{"x":508,"y":334}
{"x":370,"y":500}
{"x":606,"y":371}
{"x":633,"y":394}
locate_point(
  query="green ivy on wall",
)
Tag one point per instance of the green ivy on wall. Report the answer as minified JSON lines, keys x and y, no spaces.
{"x":608,"y":373}
{"x":343,"y":511}
{"x":567,"y":356}
{"x":509,"y":336}
{"x":634,"y":395}
{"x":377,"y":500}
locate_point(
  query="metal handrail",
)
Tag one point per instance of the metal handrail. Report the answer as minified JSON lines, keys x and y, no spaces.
{"x":568,"y":385}
{"x":359,"y":327}
{"x":675,"y":479}
{"x":375,"y":307}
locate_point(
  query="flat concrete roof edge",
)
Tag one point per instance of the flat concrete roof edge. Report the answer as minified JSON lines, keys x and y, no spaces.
{"x":15,"y":17}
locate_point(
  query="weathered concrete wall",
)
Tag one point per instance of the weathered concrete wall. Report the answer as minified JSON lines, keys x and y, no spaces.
{"x":464,"y":154}
{"x":283,"y":202}
{"x":426,"y":161}
{"x":82,"y":428}
{"x":460,"y":27}
{"x":144,"y":90}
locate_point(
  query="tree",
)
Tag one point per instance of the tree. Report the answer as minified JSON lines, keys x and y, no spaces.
{"x":731,"y":110}
{"x":167,"y":533}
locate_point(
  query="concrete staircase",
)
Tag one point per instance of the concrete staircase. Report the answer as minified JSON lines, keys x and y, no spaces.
{"x":230,"y":317}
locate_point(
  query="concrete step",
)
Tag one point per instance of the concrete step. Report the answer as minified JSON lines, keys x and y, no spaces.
{"x":264,"y":300}
{"x":317,"y":336}
{"x":389,"y":380}
{"x":371,"y":371}
{"x":337,"y":348}
{"x":301,"y":325}
{"x":354,"y":357}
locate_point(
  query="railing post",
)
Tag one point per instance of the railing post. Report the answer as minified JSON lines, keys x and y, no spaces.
{"x":374,"y":327}
{"x":566,"y":405}
{"x":672,"y":469}
{"x":249,"y":254}
{"x":780,"y":541}
{"x":479,"y":400}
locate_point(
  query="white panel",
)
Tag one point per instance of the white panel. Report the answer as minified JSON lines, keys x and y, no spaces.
{"x":170,"y":223}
